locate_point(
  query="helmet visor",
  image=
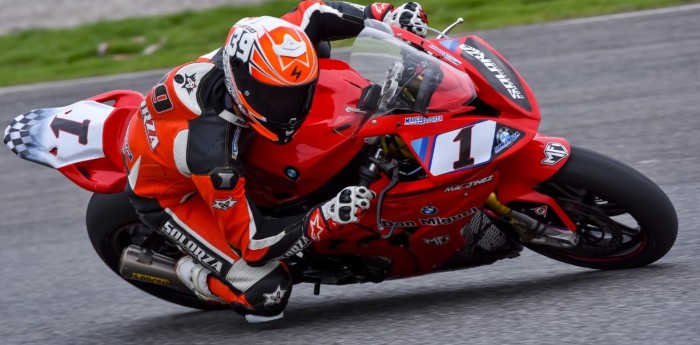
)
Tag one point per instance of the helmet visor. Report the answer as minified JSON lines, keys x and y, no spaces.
{"x":283,"y":107}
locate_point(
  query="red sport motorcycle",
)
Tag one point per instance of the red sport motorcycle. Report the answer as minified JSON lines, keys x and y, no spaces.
{"x":444,"y":130}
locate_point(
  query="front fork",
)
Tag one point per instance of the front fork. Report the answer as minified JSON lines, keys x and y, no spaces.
{"x":531,"y":230}
{"x":528,"y":229}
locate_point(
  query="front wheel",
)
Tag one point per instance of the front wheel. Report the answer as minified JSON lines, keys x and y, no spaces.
{"x":624,"y":220}
{"x":113,"y":225}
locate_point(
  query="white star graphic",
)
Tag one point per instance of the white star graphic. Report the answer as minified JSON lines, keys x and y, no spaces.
{"x":316,"y":228}
{"x":224,"y":204}
{"x":275,"y":297}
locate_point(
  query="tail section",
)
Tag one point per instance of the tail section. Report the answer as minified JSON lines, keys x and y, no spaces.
{"x":81,"y":140}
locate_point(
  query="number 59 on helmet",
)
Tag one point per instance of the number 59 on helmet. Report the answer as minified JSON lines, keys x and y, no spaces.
{"x":271,"y":70}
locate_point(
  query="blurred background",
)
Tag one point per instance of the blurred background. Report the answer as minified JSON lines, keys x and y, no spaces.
{"x":625,"y":85}
{"x":44,"y":41}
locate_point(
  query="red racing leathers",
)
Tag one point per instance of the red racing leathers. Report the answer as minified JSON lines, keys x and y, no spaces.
{"x":185,"y":157}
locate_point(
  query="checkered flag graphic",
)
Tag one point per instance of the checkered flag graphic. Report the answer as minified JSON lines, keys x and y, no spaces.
{"x":17,"y":136}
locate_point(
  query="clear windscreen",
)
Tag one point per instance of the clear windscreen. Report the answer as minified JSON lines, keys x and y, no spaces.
{"x":411,"y":81}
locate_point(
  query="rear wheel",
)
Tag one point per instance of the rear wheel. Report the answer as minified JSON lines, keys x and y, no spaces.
{"x":623,"y":219}
{"x":112,"y":226}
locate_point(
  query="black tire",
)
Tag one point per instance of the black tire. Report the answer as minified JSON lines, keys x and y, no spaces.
{"x":113,"y":225}
{"x":603,"y":196}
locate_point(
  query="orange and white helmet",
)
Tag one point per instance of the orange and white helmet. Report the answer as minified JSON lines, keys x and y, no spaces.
{"x":271,"y":71}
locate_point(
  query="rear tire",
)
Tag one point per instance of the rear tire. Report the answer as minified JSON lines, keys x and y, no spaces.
{"x":603,"y":196}
{"x":113,"y":225}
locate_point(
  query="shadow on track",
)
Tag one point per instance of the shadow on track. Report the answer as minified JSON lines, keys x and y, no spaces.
{"x":320,"y":314}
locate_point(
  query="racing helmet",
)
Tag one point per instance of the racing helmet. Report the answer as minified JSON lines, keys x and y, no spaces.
{"x":271,"y":70}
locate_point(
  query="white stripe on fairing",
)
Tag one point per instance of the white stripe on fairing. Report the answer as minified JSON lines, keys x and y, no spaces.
{"x":134,"y":173}
{"x":263,"y":243}
{"x":198,"y":237}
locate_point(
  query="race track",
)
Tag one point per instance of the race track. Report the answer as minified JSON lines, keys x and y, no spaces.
{"x":627,"y":86}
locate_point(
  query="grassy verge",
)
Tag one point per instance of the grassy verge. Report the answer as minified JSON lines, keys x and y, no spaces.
{"x":120,"y":46}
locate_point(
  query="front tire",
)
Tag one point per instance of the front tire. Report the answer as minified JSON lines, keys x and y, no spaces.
{"x":623,"y":218}
{"x":113,"y":225}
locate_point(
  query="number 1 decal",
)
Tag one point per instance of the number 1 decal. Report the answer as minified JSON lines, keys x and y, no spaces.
{"x":464,"y":138}
{"x":459,"y":149}
{"x":79,"y":129}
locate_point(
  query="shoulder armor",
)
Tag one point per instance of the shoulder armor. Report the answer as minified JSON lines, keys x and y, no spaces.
{"x":186,"y":81}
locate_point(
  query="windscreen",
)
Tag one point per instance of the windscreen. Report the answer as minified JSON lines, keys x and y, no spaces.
{"x":411,"y":80}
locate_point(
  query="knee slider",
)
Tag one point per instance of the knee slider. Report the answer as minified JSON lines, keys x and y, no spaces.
{"x":269,"y":295}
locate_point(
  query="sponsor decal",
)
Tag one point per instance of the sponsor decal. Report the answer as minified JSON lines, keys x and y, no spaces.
{"x":191,"y":247}
{"x":492,"y":66}
{"x":126,"y":151}
{"x":446,"y":55}
{"x":540,"y":211}
{"x":316,"y":227}
{"x":189,"y":82}
{"x":290,"y":48}
{"x":554,"y":152}
{"x":355,"y":110}
{"x":404,"y":224}
{"x":298,"y":246}
{"x":450,"y":44}
{"x":505,"y":137}
{"x":437,"y":241}
{"x":378,"y":9}
{"x":469,"y":184}
{"x":422,"y":120}
{"x":275,"y":297}
{"x":150,"y":126}
{"x":161,"y":99}
{"x":150,"y":279}
{"x":429,"y":210}
{"x":224,"y":204}
{"x":436,"y":221}
{"x":249,"y":28}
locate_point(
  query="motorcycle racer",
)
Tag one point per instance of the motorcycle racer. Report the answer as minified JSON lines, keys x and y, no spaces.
{"x":185,"y":152}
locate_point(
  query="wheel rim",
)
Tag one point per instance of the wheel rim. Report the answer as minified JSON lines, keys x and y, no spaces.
{"x":608,"y":232}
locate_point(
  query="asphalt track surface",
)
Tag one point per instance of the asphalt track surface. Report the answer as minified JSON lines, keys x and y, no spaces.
{"x":626,"y":86}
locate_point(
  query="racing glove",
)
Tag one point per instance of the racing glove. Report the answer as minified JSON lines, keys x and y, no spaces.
{"x":346,"y":208}
{"x":409,"y":16}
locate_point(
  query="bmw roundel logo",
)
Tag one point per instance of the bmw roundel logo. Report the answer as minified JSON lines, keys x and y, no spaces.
{"x":503,"y":135}
{"x":429,"y":210}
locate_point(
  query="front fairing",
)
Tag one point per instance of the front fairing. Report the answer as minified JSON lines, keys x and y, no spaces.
{"x":411,"y":81}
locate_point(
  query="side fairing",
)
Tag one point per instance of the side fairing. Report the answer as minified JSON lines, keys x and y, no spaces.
{"x":319,"y":150}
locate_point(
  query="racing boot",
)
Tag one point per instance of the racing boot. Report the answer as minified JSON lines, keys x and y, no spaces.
{"x":263,"y":291}
{"x":194,"y":276}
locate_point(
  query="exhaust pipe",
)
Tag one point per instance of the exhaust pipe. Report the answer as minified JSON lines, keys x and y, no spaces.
{"x":146,"y":266}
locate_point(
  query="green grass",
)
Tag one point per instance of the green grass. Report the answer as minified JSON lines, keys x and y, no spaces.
{"x":44,"y":55}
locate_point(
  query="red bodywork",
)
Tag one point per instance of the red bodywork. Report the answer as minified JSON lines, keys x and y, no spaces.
{"x":433,"y":209}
